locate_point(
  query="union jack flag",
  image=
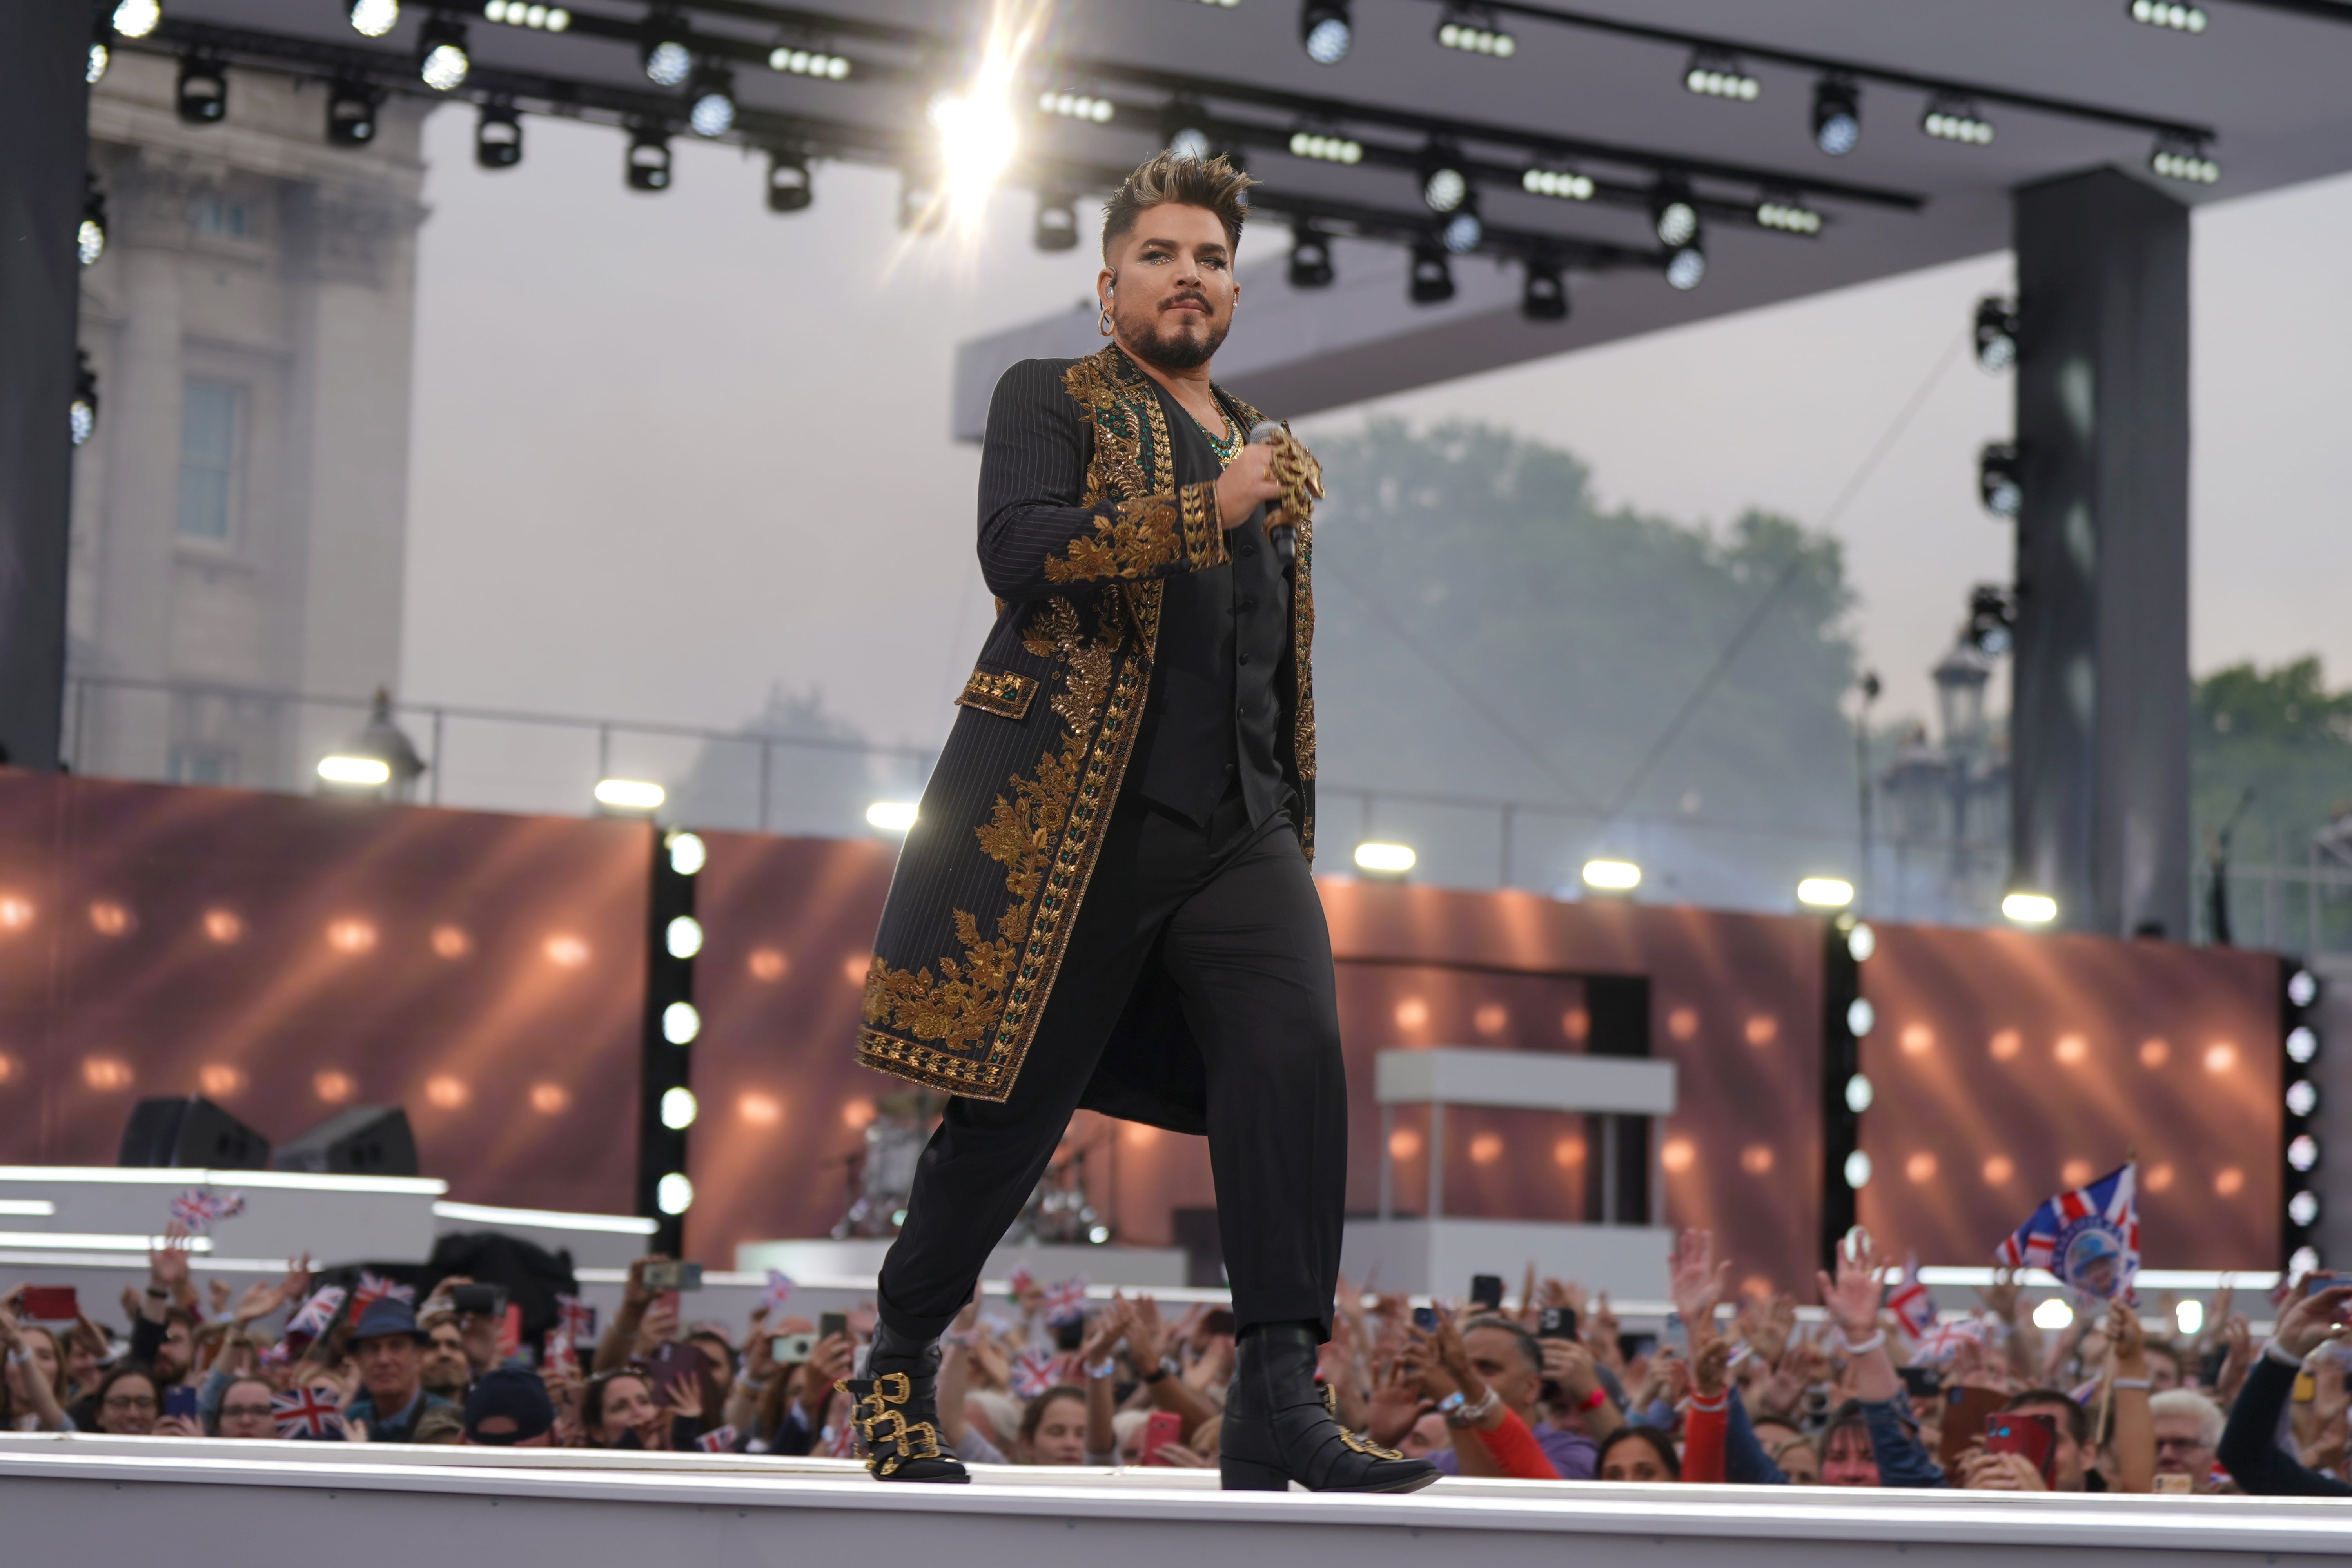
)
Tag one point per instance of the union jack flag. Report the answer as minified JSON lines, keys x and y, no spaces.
{"x":578,"y":1318}
{"x":1910,"y":1302}
{"x":1066,"y":1303}
{"x":559,"y":1360}
{"x":1034,"y":1371}
{"x":306,"y":1412}
{"x":719,"y":1442}
{"x":372,"y":1288}
{"x":1021,"y":1282}
{"x":197,"y":1208}
{"x":1942,"y":1342}
{"x":779,"y":1292}
{"x":316,"y":1313}
{"x":2089,"y":1237}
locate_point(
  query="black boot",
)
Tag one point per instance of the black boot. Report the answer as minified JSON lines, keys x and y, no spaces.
{"x":898,"y":1410}
{"x":1280,"y":1425}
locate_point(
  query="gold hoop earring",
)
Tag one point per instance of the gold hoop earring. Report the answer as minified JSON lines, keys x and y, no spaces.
{"x":1102,"y":323}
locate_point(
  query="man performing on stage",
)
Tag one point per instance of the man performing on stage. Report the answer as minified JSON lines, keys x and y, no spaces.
{"x":1105,"y":900}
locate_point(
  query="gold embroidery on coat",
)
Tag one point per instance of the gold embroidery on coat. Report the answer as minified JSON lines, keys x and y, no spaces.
{"x":1004,"y":692}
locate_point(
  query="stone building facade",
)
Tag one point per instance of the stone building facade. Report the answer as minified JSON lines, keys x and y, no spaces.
{"x":239,"y":515}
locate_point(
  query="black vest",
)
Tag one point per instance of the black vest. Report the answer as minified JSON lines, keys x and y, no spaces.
{"x":1214,"y":713}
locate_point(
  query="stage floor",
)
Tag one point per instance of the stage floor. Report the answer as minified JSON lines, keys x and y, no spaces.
{"x":103,"y":1502}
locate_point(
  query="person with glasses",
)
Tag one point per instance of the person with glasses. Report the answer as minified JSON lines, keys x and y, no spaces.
{"x":127,"y":1403}
{"x":245,"y":1410}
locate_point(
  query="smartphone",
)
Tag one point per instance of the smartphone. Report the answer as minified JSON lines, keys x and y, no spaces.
{"x":2320,"y":1280}
{"x":1921,"y":1382}
{"x":180,"y":1400}
{"x":673,"y":1361}
{"x":1486,"y":1292}
{"x":50,"y":1303}
{"x":1965,"y":1411}
{"x":2035,"y":1436}
{"x":790,"y":1350}
{"x":479,"y":1300}
{"x":1425,"y":1319}
{"x":1555,"y":1323}
{"x":1164,"y":1427}
{"x":831,"y":1323}
{"x":673,"y":1276}
{"x":2176,"y":1483}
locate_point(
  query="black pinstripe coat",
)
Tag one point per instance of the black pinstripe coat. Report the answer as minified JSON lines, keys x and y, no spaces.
{"x":1081,"y":519}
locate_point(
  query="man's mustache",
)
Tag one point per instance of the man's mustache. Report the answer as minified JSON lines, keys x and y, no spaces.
{"x":1188,"y":298}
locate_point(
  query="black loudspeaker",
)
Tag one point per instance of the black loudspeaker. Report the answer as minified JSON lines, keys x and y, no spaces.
{"x":192,"y":1133}
{"x":365,"y":1141}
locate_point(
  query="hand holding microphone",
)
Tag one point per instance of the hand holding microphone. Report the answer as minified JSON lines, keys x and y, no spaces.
{"x":1300,"y":480}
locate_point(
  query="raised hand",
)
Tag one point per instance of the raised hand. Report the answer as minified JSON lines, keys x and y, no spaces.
{"x":1853,"y":1297}
{"x":1710,"y":1370}
{"x":1696,"y":1281}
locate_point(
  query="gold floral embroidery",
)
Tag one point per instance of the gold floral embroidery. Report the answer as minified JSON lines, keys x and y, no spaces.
{"x":1136,"y":539}
{"x":1004,"y":692}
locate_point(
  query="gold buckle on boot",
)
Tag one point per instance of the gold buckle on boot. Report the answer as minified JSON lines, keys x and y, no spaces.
{"x":879,"y":1425}
{"x":1359,"y":1445}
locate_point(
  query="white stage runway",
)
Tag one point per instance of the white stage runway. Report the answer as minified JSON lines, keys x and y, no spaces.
{"x":98,"y":1503}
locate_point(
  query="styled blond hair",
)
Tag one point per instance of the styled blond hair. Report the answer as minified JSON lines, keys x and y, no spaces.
{"x":1169,"y":179}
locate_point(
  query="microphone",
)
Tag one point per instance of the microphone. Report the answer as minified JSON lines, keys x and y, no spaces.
{"x":1284,"y":537}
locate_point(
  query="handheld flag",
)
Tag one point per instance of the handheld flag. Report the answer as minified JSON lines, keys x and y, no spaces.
{"x":1034,"y":1371}
{"x":779,"y":1292}
{"x":306,"y":1412}
{"x":1910,"y":1302}
{"x":2089,"y":1237}
{"x":374,"y":1288}
{"x":1066,"y":1303}
{"x":722,"y":1441}
{"x":578,"y":1319}
{"x":199,"y":1208}
{"x":316,"y":1313}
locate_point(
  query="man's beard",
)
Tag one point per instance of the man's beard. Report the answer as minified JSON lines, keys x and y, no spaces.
{"x":442,"y":1380}
{"x":1182,"y":351}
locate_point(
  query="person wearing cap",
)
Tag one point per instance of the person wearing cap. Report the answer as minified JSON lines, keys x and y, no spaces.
{"x":389,"y":1350}
{"x":509,"y":1409}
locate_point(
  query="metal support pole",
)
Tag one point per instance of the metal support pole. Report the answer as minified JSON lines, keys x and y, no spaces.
{"x":1436,"y":1159}
{"x":1609,"y":1170}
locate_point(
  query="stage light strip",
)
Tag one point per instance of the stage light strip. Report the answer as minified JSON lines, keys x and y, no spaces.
{"x":31,"y":1208}
{"x":96,"y":1241}
{"x":169,"y":1176}
{"x":546,"y":1219}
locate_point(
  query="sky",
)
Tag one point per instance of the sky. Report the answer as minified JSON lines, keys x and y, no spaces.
{"x":670,"y":451}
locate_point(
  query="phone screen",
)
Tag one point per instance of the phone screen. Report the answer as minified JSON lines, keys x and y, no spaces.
{"x":1486,"y":1291}
{"x":1965,"y":1411}
{"x":179,"y":1401}
{"x":51,"y":1303}
{"x":1425,"y":1319}
{"x":831,"y":1323}
{"x":1164,"y":1427}
{"x":2018,"y":1432}
{"x":1555,"y":1323}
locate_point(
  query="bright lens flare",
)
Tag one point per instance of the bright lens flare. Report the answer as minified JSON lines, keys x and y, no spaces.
{"x":979,"y":134}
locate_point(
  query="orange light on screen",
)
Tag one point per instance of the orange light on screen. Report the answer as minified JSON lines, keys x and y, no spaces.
{"x":224,"y":926}
{"x":1412,"y":1012}
{"x":2158,"y":1178}
{"x":447,"y":1092}
{"x":333,"y":1087}
{"x":16,"y":911}
{"x":1679,"y":1154}
{"x":2005,"y":1044}
{"x":106,"y":1074}
{"x":2071,"y":1050}
{"x":1682,"y":1023}
{"x":109,"y":919}
{"x":351,"y":936}
{"x":1998,"y":1171}
{"x":1404,"y":1143}
{"x":1140,"y":1136}
{"x":767,"y":964}
{"x":1759,"y":1285}
{"x":1576,"y":1024}
{"x":1491,"y":1018}
{"x":452,"y":941}
{"x":760,"y":1110}
{"x":2155,"y":1053}
{"x":2229,"y":1181}
{"x":1918,"y":1040}
{"x":2221,"y":1056}
{"x":550,"y":1099}
{"x":1919,"y":1167}
{"x":854,"y":967}
{"x":1485,"y":1148}
{"x":565,"y":949}
{"x":857,"y":1115}
{"x":1756,"y":1159}
{"x":1568,"y":1152}
{"x":1763,"y":1029}
{"x":7,"y":1067}
{"x":219,"y":1079}
{"x":2077,"y":1173}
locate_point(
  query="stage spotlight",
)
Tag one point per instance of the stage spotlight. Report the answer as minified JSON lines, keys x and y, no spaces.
{"x":1543,"y":293}
{"x":630,"y":794}
{"x":1443,"y":186}
{"x":374,"y":18}
{"x":1825,"y":892}
{"x":2187,"y":162}
{"x":2030,"y":909}
{"x":2302,"y":1097}
{"x":2304,"y":1208}
{"x":2175,"y":18}
{"x":1384,"y":859}
{"x":1324,"y":29}
{"x":2302,"y":1261}
{"x":683,"y":936}
{"x":1857,"y":1169}
{"x":1562,"y":185}
{"x":498,"y":137}
{"x":2303,"y":987}
{"x":1858,"y":1091}
{"x":529,"y":13}
{"x":790,"y":189}
{"x":101,"y":55}
{"x":1787,"y":216}
{"x":1996,"y":333}
{"x":137,"y":18}
{"x":83,"y":411}
{"x":1325,"y":149}
{"x":688,"y":852}
{"x":1673,"y":215}
{"x":1837,"y":116}
{"x":1432,"y":277}
{"x":350,"y":113}
{"x":1998,"y":485}
{"x":1056,"y":228}
{"x":1862,"y":942}
{"x":90,"y":238}
{"x":681,"y":1022}
{"x":358,"y":772}
{"x":441,"y":60}
{"x":1076,"y":106}
{"x":1992,"y":620}
{"x":1956,"y":120}
{"x":1461,"y":232}
{"x":675,"y":1196}
{"x":648,"y":160}
{"x":1687,"y":267}
{"x":201,"y":98}
{"x":893,"y":816}
{"x":1183,"y":130}
{"x":816,"y":63}
{"x":1474,"y":34}
{"x":712,"y":102}
{"x":2303,"y":1153}
{"x":1713,"y":74}
{"x":1311,"y":258}
{"x":679,"y":1109}
{"x":666,"y":57}
{"x":1613,"y":876}
{"x":2302,"y":1045}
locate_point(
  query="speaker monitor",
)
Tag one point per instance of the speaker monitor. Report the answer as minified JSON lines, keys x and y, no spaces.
{"x":365,"y":1141}
{"x":191,"y":1134}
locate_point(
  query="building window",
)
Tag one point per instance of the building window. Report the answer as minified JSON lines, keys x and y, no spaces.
{"x":208,"y":419}
{"x":213,"y":216}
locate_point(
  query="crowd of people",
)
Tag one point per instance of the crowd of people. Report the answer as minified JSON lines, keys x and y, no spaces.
{"x":1549,"y":1387}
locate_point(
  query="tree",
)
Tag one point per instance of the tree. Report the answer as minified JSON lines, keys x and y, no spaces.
{"x":2284,"y":735}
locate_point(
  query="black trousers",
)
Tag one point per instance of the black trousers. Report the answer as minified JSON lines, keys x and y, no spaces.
{"x":1231,"y":915}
